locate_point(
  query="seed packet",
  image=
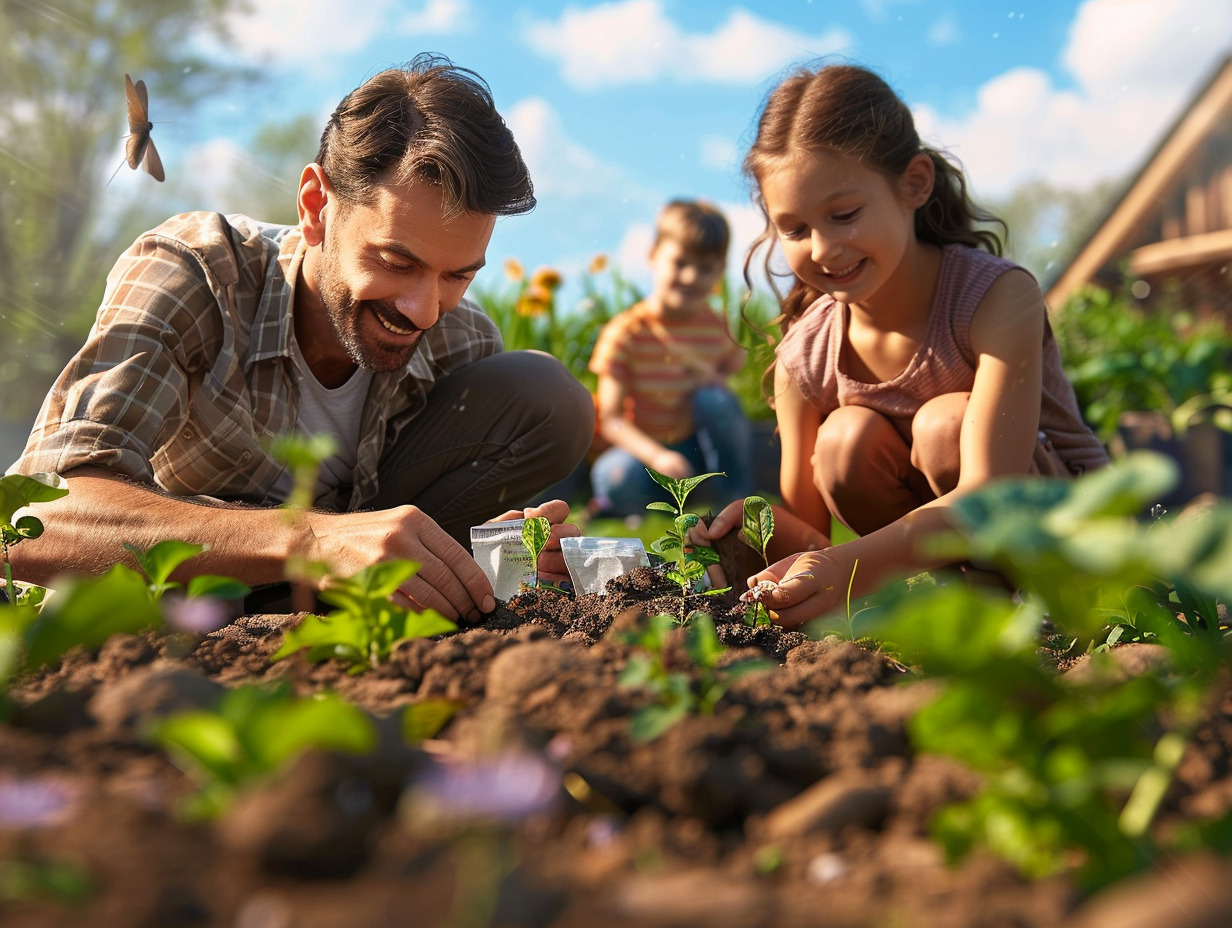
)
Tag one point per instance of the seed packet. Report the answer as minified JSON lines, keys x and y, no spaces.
{"x":593,"y":561}
{"x":498,"y":549}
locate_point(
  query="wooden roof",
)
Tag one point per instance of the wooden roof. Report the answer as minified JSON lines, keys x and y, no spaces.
{"x":1120,"y":235}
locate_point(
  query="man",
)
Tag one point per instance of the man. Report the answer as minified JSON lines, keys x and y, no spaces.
{"x":217,"y":333}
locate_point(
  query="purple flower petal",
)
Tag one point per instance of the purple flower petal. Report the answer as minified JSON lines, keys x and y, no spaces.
{"x":34,"y":802}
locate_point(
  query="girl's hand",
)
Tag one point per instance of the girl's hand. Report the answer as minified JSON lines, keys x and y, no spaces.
{"x":551,"y":561}
{"x":798,"y":588}
{"x":704,"y":536}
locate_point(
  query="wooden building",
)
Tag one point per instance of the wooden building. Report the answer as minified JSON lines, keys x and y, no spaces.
{"x":1172,"y":227}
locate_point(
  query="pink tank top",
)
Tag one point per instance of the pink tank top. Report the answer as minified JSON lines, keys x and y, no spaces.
{"x":945,"y":363}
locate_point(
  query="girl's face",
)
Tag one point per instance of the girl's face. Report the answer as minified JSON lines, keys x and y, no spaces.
{"x":844,"y":227}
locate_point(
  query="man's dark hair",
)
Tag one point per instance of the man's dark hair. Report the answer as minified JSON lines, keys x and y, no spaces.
{"x":430,"y":121}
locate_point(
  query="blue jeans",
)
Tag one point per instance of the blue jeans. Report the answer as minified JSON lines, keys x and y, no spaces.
{"x":722,"y":443}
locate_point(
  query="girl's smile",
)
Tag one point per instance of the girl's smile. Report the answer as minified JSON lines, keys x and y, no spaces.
{"x":843,"y":227}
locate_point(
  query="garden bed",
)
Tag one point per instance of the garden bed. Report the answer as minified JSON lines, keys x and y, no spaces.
{"x":797,"y":802}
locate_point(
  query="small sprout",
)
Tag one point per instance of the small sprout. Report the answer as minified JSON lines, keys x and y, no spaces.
{"x":678,"y":692}
{"x":16,"y":492}
{"x":255,"y":733}
{"x":690,"y":560}
{"x":535,"y":535}
{"x":758,"y":525}
{"x":367,"y":626}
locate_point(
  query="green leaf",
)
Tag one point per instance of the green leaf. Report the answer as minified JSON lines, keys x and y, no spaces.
{"x":28,"y":527}
{"x":89,"y":611}
{"x":424,"y":720}
{"x":411,"y":624}
{"x":703,"y":554}
{"x":652,"y":721}
{"x":18,"y":490}
{"x":202,"y":741}
{"x":285,"y":730}
{"x":340,"y":628}
{"x":217,"y":587}
{"x":660,"y":506}
{"x":160,"y":560}
{"x":702,"y":642}
{"x":758,"y":524}
{"x":535,"y":535}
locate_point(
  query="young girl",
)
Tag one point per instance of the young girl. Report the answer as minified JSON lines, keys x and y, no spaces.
{"x":916,"y":364}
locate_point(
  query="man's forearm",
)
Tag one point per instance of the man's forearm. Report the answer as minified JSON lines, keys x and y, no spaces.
{"x":86,"y":530}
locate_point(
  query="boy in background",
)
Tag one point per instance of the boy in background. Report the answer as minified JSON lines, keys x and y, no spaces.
{"x":663,"y":365}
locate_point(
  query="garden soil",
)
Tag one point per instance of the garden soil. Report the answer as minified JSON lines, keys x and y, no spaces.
{"x":798,"y":802}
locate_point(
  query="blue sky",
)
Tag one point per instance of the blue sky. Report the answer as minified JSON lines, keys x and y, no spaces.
{"x":622,"y":105}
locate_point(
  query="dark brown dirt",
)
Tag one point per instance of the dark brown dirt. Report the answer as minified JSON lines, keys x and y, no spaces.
{"x":797,"y":803}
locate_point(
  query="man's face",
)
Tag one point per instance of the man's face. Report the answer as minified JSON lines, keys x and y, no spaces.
{"x":389,"y":269}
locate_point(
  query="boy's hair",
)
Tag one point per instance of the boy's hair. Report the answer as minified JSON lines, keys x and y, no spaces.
{"x":849,"y":110}
{"x":428,"y":121}
{"x":696,"y":225}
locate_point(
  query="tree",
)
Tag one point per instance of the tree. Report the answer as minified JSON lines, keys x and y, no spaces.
{"x":62,"y":69}
{"x":1047,"y":224}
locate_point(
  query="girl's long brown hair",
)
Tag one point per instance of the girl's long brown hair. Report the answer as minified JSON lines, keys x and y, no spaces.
{"x":849,"y":110}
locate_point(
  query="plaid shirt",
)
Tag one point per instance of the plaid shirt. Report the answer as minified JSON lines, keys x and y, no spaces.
{"x":187,"y":371}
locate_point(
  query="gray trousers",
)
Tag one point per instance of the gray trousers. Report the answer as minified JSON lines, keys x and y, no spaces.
{"x":494,"y":434}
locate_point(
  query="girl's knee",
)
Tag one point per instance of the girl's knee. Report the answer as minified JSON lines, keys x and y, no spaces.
{"x":936,"y":431}
{"x":850,"y":440}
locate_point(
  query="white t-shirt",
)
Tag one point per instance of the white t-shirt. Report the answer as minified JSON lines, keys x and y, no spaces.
{"x":336,"y":412}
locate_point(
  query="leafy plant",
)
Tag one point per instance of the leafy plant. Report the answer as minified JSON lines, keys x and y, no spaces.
{"x":303,"y":455}
{"x":368,"y":624}
{"x":16,"y":492}
{"x":696,"y":688}
{"x":1072,"y":771}
{"x":758,"y":528}
{"x":689,"y":561}
{"x":159,"y":561}
{"x":1121,"y":357}
{"x":86,"y":611}
{"x":535,"y":535}
{"x":254,"y":734}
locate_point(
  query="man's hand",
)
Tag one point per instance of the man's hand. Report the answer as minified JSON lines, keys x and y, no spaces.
{"x":551,"y":560}
{"x":448,"y":580}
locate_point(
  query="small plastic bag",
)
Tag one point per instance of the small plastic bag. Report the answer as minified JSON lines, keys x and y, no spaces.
{"x":498,"y":549}
{"x":593,"y":561}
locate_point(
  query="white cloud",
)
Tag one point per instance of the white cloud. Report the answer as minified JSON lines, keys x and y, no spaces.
{"x":281,"y":32}
{"x":1135,"y":65}
{"x":289,"y":31}
{"x":558,"y":165}
{"x":634,"y":41}
{"x":719,"y":153}
{"x":438,"y":17}
{"x":944,"y":31}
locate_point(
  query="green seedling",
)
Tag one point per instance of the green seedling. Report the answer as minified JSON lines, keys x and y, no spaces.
{"x":758,"y":529}
{"x":303,"y":455}
{"x":678,"y":692}
{"x":254,"y":734}
{"x":687,"y":561}
{"x":159,"y":561}
{"x":535,"y":535}
{"x":16,"y":492}
{"x":367,"y":625}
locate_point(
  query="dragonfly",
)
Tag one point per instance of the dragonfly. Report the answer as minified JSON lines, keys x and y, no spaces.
{"x":139,"y":150}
